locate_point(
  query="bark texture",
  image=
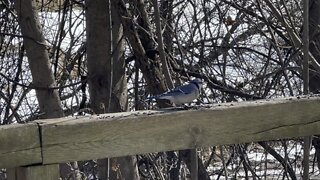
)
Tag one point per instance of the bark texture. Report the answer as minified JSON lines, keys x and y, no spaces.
{"x":314,"y":47}
{"x":38,"y":58}
{"x":314,"y":35}
{"x":106,"y":74}
{"x":150,"y":69}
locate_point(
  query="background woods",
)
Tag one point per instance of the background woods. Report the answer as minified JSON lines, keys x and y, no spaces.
{"x":72,"y":57}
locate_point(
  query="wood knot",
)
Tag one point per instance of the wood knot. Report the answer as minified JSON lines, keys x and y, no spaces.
{"x":195,"y":133}
{"x":195,"y":130}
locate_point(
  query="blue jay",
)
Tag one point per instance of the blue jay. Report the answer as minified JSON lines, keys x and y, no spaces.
{"x":182,"y":94}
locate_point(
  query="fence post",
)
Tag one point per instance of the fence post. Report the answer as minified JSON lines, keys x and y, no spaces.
{"x":47,"y":172}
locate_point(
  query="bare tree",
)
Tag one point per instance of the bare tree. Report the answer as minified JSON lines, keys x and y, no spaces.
{"x":106,"y":77}
{"x":243,"y":50}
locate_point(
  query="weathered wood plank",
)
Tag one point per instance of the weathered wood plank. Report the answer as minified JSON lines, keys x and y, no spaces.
{"x":120,"y":134}
{"x":19,"y":145}
{"x":46,"y":172}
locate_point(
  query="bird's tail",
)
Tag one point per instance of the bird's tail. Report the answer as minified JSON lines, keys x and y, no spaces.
{"x":147,"y":99}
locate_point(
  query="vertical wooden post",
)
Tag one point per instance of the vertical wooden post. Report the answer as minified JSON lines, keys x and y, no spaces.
{"x":47,"y":172}
{"x":194,"y":164}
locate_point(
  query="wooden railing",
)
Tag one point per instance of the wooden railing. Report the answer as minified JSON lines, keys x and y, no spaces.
{"x":53,"y":141}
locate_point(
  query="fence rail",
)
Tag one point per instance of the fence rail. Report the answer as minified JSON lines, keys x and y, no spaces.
{"x":52,"y":141}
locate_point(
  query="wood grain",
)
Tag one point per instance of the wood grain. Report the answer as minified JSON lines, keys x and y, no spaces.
{"x":19,"y":145}
{"x":120,"y":134}
{"x":129,"y":133}
{"x":46,"y":172}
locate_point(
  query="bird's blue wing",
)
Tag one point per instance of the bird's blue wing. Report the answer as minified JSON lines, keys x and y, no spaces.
{"x":181,"y":90}
{"x":174,"y":92}
{"x":185,"y":89}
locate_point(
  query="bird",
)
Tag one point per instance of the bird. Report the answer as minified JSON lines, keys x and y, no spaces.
{"x":182,"y":94}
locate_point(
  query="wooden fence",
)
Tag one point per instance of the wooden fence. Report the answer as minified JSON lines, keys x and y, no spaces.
{"x":46,"y":143}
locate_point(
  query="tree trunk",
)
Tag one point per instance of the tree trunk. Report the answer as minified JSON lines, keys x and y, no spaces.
{"x":38,"y":58}
{"x":314,"y":35}
{"x":106,"y":78}
{"x":150,"y":69}
{"x":314,"y":81}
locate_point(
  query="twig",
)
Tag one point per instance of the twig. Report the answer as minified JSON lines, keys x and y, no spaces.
{"x":31,"y":86}
{"x":165,"y":67}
